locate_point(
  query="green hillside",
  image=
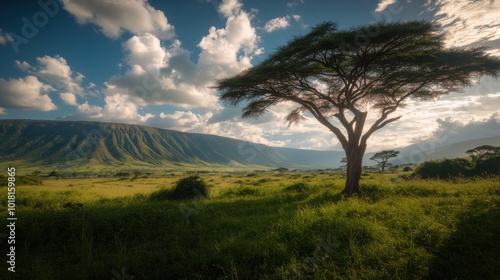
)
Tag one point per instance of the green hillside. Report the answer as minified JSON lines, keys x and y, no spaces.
{"x":68,"y":144}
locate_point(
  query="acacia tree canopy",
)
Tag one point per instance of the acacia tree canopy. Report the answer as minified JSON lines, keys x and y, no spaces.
{"x":383,"y":157}
{"x":338,"y":77}
{"x":480,"y":152}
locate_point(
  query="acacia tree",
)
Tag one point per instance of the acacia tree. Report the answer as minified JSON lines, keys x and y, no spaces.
{"x":383,"y":157}
{"x":339,"y":76}
{"x":480,"y":152}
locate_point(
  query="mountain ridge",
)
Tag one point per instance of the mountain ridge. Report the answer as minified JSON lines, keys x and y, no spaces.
{"x":70,"y":144}
{"x":79,"y":143}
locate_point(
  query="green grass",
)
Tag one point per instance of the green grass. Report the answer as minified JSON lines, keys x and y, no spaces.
{"x":260,"y":227}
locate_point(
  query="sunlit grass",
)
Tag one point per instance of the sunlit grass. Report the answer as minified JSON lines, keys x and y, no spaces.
{"x":261,"y":226}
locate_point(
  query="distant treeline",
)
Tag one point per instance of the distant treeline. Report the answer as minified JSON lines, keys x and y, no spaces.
{"x":484,"y":161}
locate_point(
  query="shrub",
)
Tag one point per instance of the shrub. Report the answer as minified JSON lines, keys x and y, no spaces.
{"x":192,"y":187}
{"x":189,"y":188}
{"x":488,"y":166}
{"x":407,"y":169}
{"x":444,"y":169}
{"x":297,"y":187}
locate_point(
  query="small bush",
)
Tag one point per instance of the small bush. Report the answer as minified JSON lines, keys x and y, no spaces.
{"x":297,"y":187}
{"x":407,"y":169}
{"x":488,"y":166}
{"x":189,"y":188}
{"x":444,"y":169}
{"x":192,"y":187}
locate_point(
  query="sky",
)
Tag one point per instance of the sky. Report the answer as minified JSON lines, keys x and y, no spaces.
{"x":154,"y":63}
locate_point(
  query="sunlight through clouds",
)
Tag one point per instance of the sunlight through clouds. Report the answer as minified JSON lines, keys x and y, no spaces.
{"x":467,"y":22}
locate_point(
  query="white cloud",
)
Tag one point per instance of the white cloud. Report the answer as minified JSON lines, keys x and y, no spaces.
{"x":86,"y":111}
{"x":25,"y":93}
{"x":116,"y":16}
{"x":276,"y":23}
{"x":68,"y":98}
{"x":383,"y":4}
{"x":117,"y":108}
{"x":451,"y":131}
{"x":24,"y":66}
{"x":230,"y":7}
{"x":228,"y":51}
{"x":56,"y":71}
{"x":181,"y":120}
{"x":145,"y":51}
{"x":467,"y":22}
{"x":294,"y":3}
{"x":4,"y":38}
{"x":2,"y":111}
{"x":166,"y":76}
{"x":271,"y":129}
{"x":160,"y":76}
{"x":297,"y":17}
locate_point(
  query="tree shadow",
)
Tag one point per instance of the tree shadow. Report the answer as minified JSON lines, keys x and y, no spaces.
{"x":473,"y":251}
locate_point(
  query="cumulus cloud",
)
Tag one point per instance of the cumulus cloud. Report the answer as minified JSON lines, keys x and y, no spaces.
{"x":186,"y":121}
{"x":55,"y":71}
{"x":467,"y":22}
{"x":4,"y":38}
{"x":383,"y":4}
{"x":160,"y":76}
{"x":166,"y":75}
{"x":277,"y":23}
{"x":68,"y":98}
{"x":271,"y":129}
{"x":25,"y":93}
{"x":280,"y":23}
{"x":451,"y":131}
{"x":117,"y":108}
{"x":230,"y":7}
{"x":297,"y":17}
{"x":116,"y":16}
{"x":229,"y":50}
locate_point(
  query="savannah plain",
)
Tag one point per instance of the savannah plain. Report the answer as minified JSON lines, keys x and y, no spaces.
{"x":267,"y":225}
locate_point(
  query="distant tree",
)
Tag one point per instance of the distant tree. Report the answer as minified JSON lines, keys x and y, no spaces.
{"x":343,"y":160}
{"x":383,"y":157}
{"x":338,"y":77}
{"x":481,"y":152}
{"x":281,"y":169}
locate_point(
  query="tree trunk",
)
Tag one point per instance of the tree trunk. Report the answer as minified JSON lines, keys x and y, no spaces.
{"x":354,"y":169}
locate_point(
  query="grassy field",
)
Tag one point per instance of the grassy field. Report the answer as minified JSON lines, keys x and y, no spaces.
{"x":258,"y":226}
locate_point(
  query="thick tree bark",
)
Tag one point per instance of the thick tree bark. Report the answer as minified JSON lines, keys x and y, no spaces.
{"x":354,"y":168}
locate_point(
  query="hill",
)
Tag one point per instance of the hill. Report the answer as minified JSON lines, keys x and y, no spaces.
{"x":86,"y":145}
{"x":64,"y":144}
